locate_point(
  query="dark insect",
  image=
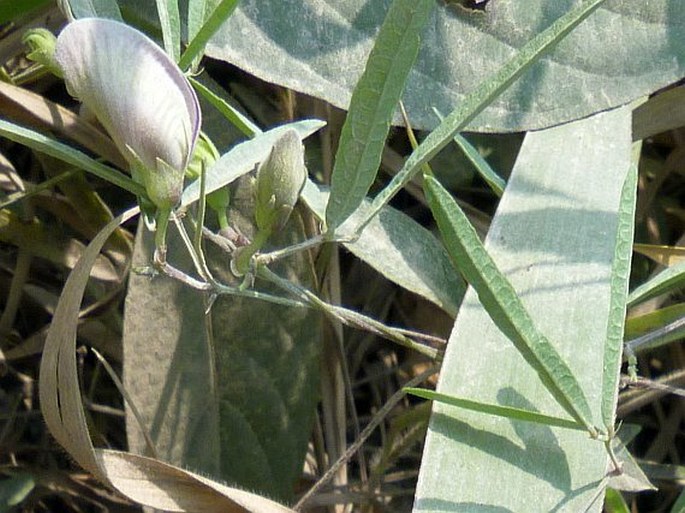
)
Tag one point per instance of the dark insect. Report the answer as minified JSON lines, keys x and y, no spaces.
{"x":474,"y":5}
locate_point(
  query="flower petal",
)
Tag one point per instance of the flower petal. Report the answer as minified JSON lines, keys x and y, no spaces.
{"x":135,"y":90}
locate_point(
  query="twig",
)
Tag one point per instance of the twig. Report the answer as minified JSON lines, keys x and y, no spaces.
{"x":366,"y":432}
{"x":348,"y":317}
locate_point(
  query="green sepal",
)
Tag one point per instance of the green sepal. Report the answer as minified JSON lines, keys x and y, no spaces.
{"x":205,"y":154}
{"x":163,"y":185}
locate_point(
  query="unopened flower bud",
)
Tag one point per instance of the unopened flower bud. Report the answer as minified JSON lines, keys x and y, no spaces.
{"x":204,"y":155}
{"x":280,"y":179}
{"x":41,"y":48}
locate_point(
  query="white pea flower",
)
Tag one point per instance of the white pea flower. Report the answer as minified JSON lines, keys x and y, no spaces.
{"x":139,"y":95}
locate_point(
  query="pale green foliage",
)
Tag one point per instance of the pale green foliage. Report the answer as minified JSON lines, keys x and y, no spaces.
{"x":157,"y":131}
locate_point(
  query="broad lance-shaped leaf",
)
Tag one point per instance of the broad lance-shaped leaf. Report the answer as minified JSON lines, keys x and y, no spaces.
{"x":554,"y":237}
{"x":372,"y":106}
{"x":139,"y":95}
{"x":500,"y":300}
{"x":625,"y":51}
{"x":235,"y":400}
{"x":164,"y":319}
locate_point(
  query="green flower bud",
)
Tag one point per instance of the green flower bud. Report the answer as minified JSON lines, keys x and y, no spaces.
{"x":280,"y":179}
{"x":206,"y":155}
{"x":139,"y":95}
{"x":41,"y":48}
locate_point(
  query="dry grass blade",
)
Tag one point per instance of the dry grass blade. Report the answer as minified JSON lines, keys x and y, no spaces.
{"x":39,"y":240}
{"x":32,"y":109}
{"x":665,"y":111}
{"x":60,"y":396}
{"x":145,"y":480}
{"x":59,"y":391}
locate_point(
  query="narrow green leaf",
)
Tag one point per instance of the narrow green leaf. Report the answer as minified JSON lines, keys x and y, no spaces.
{"x":197,"y":45}
{"x":373,"y":104}
{"x":244,"y":377}
{"x":614,"y":502}
{"x":39,"y":142}
{"x":244,"y":157}
{"x":95,"y":9}
{"x":496,"y":182}
{"x":620,"y":277}
{"x":484,"y":94}
{"x":670,"y":279}
{"x":679,"y":505}
{"x":639,"y":325}
{"x":502,"y":303}
{"x":238,"y":120}
{"x":10,"y":199}
{"x":496,"y":409}
{"x":196,"y":15}
{"x":14,"y":489}
{"x":170,"y":21}
{"x":660,"y":336}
